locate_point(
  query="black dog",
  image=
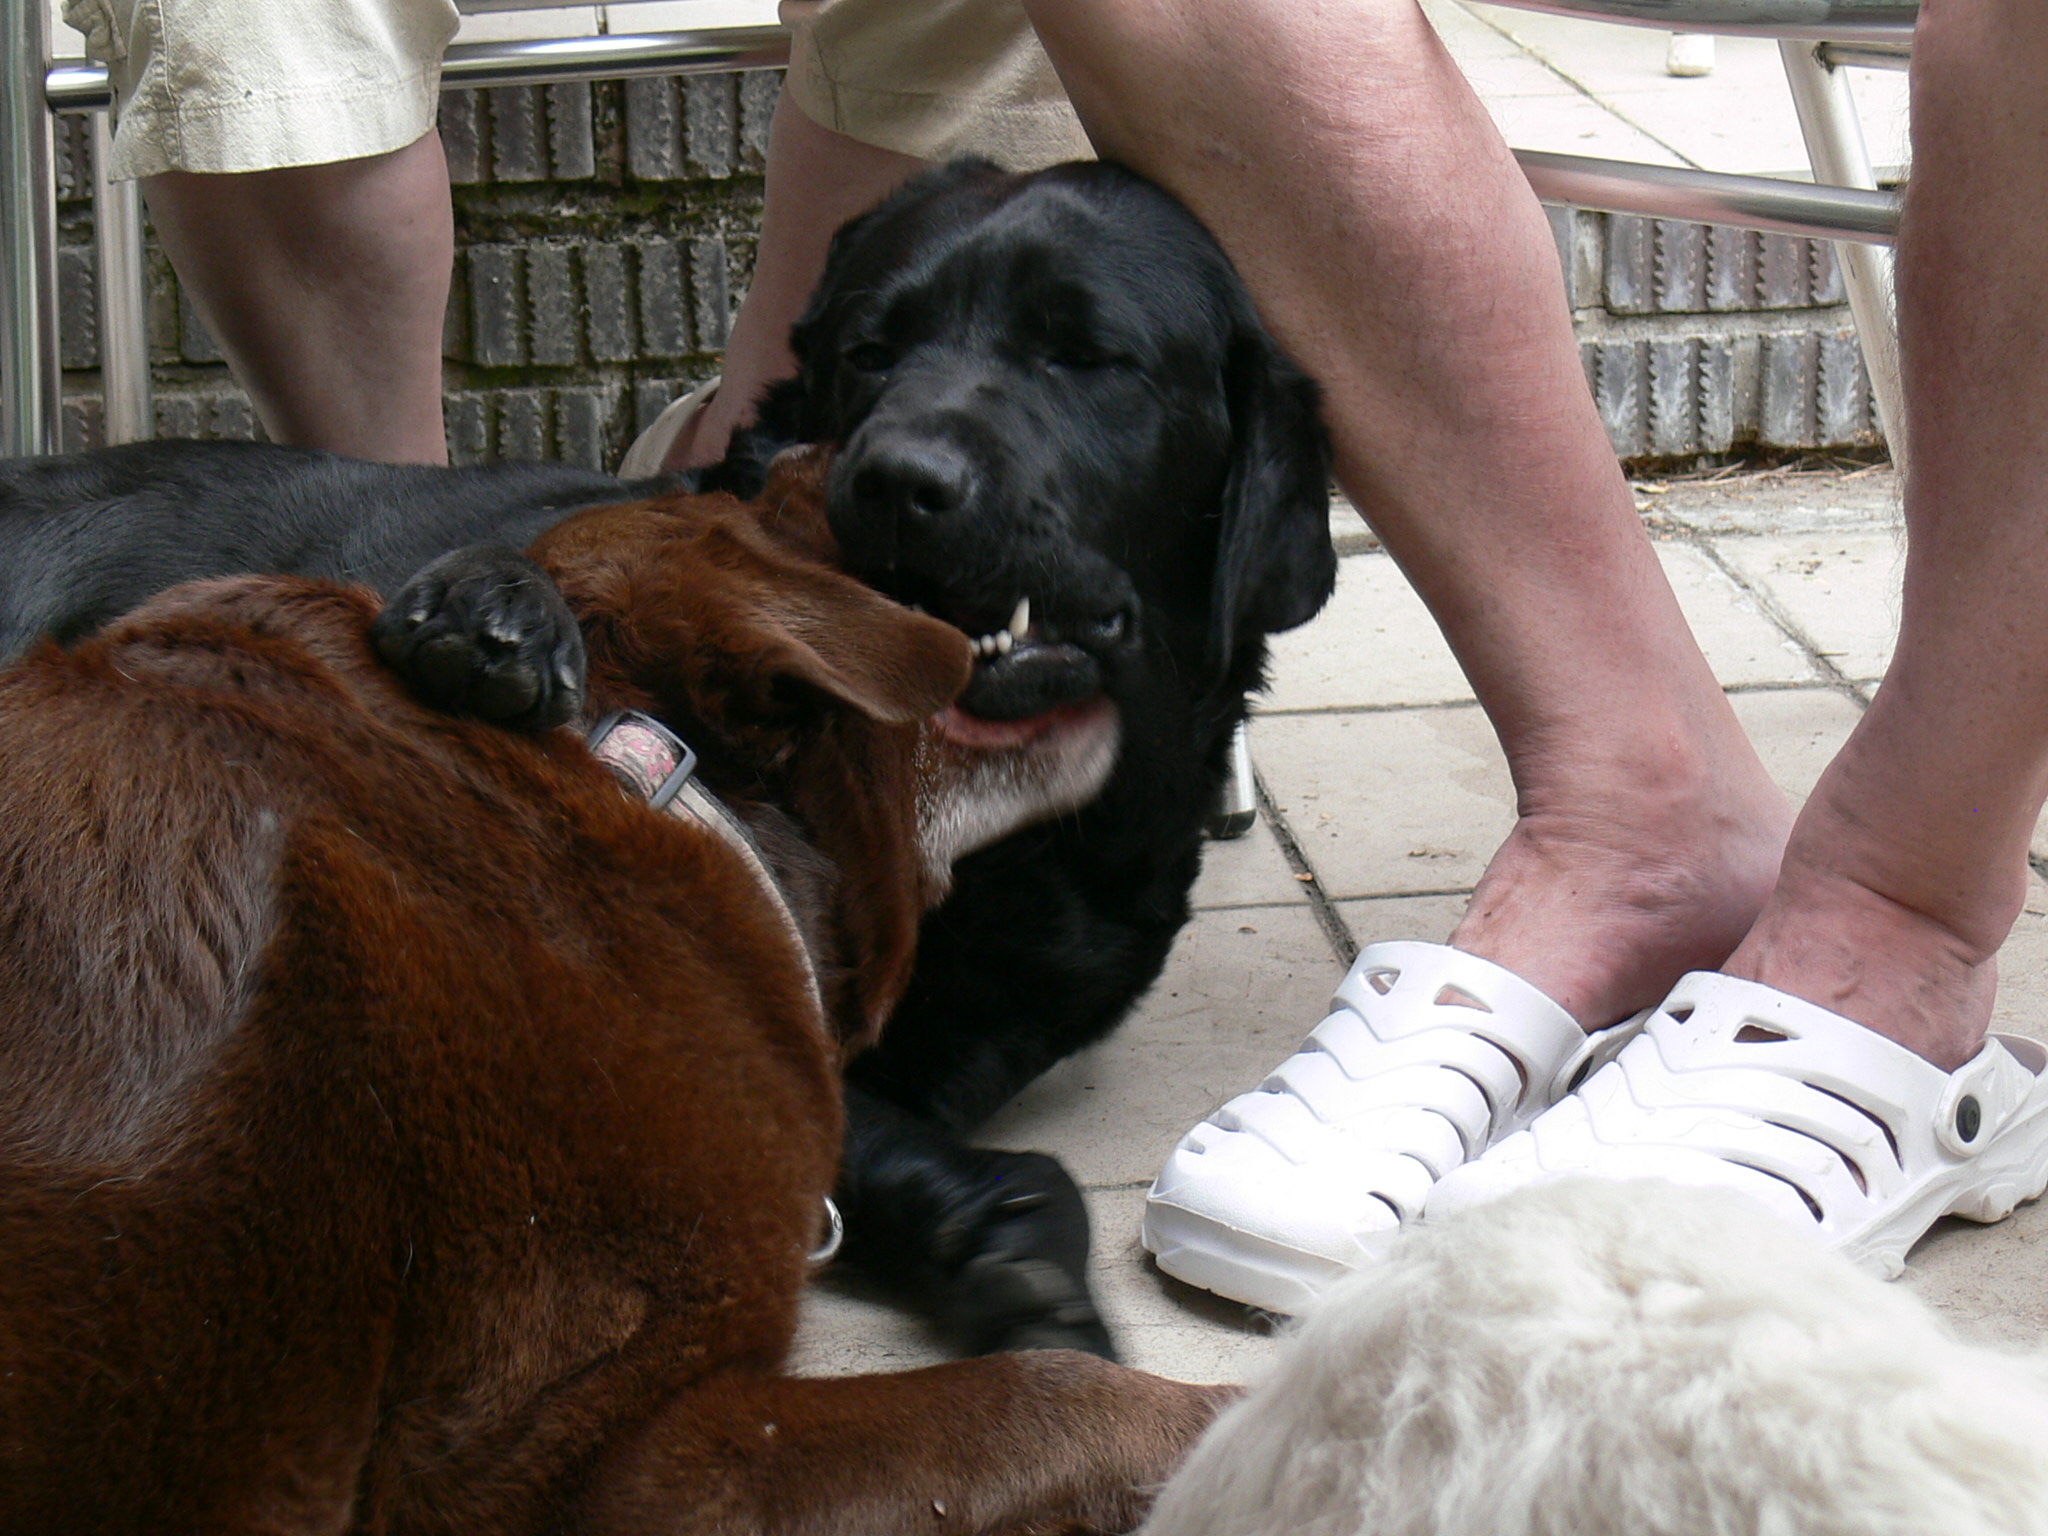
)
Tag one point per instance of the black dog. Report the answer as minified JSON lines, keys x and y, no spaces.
{"x":1048,"y":388}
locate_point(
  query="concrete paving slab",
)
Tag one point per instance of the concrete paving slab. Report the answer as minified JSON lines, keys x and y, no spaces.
{"x":1743,"y":646}
{"x":1390,"y":802}
{"x":1778,"y":501}
{"x":1373,"y":644}
{"x":1240,"y":991}
{"x":1839,"y":590}
{"x":1796,"y":732}
{"x":1249,"y":871}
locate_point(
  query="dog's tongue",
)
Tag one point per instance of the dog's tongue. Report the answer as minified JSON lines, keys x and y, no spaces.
{"x":1031,"y":680}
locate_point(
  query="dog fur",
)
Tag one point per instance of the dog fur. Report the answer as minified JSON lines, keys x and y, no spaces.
{"x":404,"y":1130}
{"x":1139,"y":459}
{"x":1600,"y":1358}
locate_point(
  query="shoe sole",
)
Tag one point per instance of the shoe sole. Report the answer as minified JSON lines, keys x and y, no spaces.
{"x":1235,"y":1264}
{"x":2007,"y":1180}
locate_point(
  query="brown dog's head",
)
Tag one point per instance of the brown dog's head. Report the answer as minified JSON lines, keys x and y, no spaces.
{"x":820,"y":711}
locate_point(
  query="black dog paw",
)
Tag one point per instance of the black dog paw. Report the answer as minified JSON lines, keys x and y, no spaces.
{"x":1020,"y":1277}
{"x":484,"y":632}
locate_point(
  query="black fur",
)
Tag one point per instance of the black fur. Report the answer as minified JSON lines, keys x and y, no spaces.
{"x":1050,"y":386}
{"x":1053,"y":386}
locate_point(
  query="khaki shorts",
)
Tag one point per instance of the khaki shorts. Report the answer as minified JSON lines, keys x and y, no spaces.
{"x":932,"y":78}
{"x":252,"y":85}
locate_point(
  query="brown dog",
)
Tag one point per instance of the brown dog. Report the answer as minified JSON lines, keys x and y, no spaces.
{"x":404,"y":1130}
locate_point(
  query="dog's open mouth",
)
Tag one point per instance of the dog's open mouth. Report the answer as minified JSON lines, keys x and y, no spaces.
{"x":1026,"y":672}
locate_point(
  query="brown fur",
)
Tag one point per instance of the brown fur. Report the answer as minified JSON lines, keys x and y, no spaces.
{"x":401,"y":1130}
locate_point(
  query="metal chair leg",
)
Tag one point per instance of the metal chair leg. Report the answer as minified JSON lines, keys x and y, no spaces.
{"x":31,"y":385}
{"x":1237,"y":806}
{"x":124,"y":297}
{"x":1834,"y":145}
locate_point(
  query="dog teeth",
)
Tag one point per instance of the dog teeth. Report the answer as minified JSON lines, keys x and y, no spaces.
{"x":1006,"y":640}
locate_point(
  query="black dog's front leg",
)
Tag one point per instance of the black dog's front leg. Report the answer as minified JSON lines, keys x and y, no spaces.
{"x":994,"y":1245}
{"x":483,"y":631}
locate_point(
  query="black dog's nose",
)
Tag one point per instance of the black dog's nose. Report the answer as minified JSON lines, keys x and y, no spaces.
{"x":917,"y":476}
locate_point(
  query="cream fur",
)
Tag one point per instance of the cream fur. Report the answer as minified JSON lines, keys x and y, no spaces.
{"x":1591,"y":1358}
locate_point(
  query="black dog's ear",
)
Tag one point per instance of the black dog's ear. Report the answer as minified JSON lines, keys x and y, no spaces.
{"x":1275,"y":565}
{"x":849,"y":251}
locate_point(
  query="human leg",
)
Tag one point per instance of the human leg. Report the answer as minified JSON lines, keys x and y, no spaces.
{"x":1412,"y":273}
{"x":1868,"y":1116}
{"x":816,"y":180}
{"x":1908,"y":865}
{"x":325,"y":286}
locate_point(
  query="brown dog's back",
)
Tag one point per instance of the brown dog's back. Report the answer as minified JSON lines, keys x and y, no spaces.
{"x":290,"y":962}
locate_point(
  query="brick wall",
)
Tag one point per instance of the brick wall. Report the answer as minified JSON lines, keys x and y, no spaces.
{"x":606,"y":231}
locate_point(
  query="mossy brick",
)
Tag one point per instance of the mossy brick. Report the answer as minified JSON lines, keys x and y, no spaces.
{"x":518,"y":134}
{"x":1716,"y":395}
{"x":522,"y":424}
{"x":83,"y":426}
{"x":572,"y":145}
{"x":581,"y":419}
{"x":1842,"y":412}
{"x":1731,"y":257}
{"x":73,"y":158}
{"x":1680,"y":266}
{"x":554,"y":310}
{"x":664,"y":311}
{"x":1619,"y":388}
{"x":1630,"y":279}
{"x":464,"y":137}
{"x":608,"y":301}
{"x":467,"y":414}
{"x":1824,"y":279}
{"x":1783,"y":272}
{"x":497,"y":305}
{"x":760,"y":90}
{"x":710,"y":126}
{"x":78,"y":310}
{"x":650,"y":399}
{"x":1671,"y":426}
{"x":177,"y":415}
{"x":1785,"y":411}
{"x":230,"y":417}
{"x":654,"y":135}
{"x":710,"y":293}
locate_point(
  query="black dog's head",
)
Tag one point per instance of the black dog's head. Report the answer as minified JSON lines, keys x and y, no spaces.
{"x":1056,"y":404}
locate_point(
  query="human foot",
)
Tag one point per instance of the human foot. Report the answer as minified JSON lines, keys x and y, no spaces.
{"x":1428,"y":1056}
{"x":1841,"y":1132}
{"x":1614,"y":885}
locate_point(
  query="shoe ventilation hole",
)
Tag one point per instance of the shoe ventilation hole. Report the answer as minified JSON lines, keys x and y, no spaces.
{"x":1883,"y":1129}
{"x":1756,"y":1034}
{"x":1458,"y":997}
{"x":1812,"y":1205}
{"x":1680,"y":1015}
{"x":1848,"y":1162}
{"x":1493,"y":1111}
{"x":1382,"y":982}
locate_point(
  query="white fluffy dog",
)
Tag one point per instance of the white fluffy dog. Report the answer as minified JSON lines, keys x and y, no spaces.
{"x":1590,"y":1358}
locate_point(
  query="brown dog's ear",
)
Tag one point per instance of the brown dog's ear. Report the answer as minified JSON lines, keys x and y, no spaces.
{"x":837,"y":634}
{"x":830,"y":632}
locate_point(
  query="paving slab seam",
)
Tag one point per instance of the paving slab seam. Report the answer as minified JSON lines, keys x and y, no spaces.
{"x":1403,"y":707}
{"x":1335,"y":929}
{"x":1834,"y":677}
{"x":1583,"y":89}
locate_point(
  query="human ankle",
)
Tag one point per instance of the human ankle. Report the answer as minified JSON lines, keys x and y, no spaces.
{"x":1894,"y":969}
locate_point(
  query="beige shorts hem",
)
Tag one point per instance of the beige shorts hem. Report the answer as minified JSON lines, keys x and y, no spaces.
{"x":952,"y":77}
{"x":156,"y":134}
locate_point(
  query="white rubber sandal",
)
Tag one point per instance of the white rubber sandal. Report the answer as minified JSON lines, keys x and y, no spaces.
{"x":1837,"y":1129}
{"x":643,"y":461}
{"x":1428,"y":1057}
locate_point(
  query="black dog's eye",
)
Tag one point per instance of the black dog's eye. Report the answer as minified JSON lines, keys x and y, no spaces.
{"x":871,"y":357}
